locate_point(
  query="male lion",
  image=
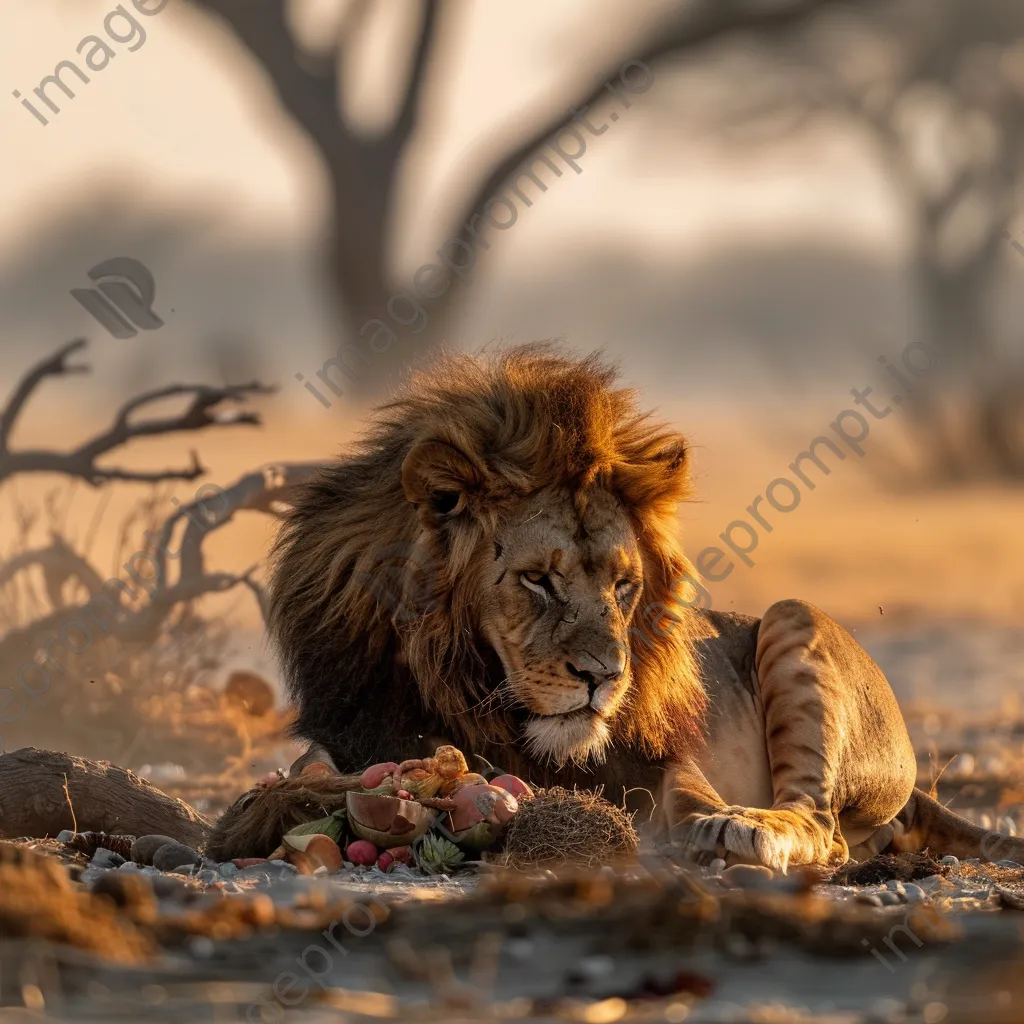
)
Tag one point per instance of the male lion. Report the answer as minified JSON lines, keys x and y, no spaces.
{"x":498,"y":566}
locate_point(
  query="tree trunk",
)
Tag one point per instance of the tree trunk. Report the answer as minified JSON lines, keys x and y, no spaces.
{"x":105,"y":798}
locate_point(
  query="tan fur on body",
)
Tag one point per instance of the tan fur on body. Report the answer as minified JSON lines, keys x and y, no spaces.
{"x":498,"y":566}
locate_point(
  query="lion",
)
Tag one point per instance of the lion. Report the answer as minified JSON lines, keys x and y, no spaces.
{"x":498,"y":565}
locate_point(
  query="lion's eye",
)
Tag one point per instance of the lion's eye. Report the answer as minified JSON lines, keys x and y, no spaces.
{"x":539,"y":582}
{"x":624,"y":589}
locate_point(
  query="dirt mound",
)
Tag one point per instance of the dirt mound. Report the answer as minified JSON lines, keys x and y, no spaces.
{"x":904,"y":867}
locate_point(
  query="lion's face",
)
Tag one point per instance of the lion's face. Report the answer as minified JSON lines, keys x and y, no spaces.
{"x":557,"y":593}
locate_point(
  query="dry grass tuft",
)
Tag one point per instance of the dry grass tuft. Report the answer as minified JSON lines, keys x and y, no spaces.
{"x":568,"y":827}
{"x":253,"y":825}
{"x":38,"y":901}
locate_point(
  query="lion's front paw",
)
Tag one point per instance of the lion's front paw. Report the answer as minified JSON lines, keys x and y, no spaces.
{"x":740,"y":835}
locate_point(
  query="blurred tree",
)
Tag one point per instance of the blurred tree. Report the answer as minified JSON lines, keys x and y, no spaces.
{"x":937,"y":87}
{"x":363,"y":171}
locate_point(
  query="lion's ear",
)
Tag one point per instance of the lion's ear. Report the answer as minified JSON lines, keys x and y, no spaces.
{"x":656,"y":475}
{"x":438,"y":476}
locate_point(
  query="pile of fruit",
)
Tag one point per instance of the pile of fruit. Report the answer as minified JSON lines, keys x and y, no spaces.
{"x":428,"y":812}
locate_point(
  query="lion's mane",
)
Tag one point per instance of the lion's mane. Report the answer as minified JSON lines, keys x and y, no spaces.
{"x":372,"y":614}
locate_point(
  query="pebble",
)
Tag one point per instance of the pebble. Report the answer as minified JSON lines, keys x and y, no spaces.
{"x":145,"y":847}
{"x":104,"y":858}
{"x":1007,"y":864}
{"x":951,"y":862}
{"x":914,"y":893}
{"x":168,"y":888}
{"x":716,"y":867}
{"x":208,"y":876}
{"x":895,"y":885}
{"x":749,"y":876}
{"x":889,"y":899}
{"x":591,"y":968}
{"x":872,"y":899}
{"x":66,"y":836}
{"x":173,"y":856}
{"x":129,"y":868}
{"x":228,"y":870}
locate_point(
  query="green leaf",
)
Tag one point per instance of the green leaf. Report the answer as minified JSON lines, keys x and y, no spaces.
{"x":334,"y":826}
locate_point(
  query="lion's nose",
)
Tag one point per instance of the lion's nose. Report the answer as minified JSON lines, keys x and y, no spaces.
{"x":594,"y":671}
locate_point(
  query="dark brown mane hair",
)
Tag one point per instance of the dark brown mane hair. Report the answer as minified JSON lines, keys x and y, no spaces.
{"x":372,"y":609}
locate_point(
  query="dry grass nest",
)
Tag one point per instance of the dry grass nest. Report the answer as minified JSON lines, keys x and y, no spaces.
{"x":253,"y":825}
{"x":568,"y":827}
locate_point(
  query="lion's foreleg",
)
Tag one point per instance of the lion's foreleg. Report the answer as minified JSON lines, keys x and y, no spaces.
{"x":800,"y":695}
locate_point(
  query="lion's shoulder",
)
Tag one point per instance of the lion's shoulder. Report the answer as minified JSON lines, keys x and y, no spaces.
{"x":726,"y":644}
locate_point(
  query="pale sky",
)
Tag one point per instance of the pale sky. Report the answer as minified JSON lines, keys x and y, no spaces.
{"x":185,"y":124}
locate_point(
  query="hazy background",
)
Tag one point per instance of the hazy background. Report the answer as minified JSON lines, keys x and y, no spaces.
{"x":791,"y":199}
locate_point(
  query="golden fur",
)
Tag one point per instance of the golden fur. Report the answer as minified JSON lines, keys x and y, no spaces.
{"x":368,"y":573}
{"x":497,"y":565}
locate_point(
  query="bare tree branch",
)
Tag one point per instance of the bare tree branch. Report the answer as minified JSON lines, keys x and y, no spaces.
{"x":268,"y":490}
{"x":55,"y":366}
{"x":59,"y":563}
{"x":201,"y":413}
{"x":703,"y":23}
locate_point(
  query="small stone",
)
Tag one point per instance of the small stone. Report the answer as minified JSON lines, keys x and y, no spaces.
{"x":145,"y":847}
{"x":871,"y":899}
{"x":1007,"y":864}
{"x":103,"y":858}
{"x":895,"y":885}
{"x":228,"y":870}
{"x":208,"y":876}
{"x":201,"y":947}
{"x":716,"y":867}
{"x":129,"y":868}
{"x":951,"y":862}
{"x":914,"y":893}
{"x":889,"y":899}
{"x":168,"y":888}
{"x":66,"y":836}
{"x":748,"y":876}
{"x":592,"y":968}
{"x":173,"y":856}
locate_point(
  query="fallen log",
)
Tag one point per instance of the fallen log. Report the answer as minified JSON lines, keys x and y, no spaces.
{"x":43,"y":792}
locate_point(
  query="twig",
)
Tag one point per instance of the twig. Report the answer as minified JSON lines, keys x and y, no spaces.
{"x":74,"y":820}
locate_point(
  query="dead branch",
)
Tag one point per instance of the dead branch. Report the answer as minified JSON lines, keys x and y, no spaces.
{"x":267,"y":490}
{"x":701,"y":25}
{"x":203,"y":411}
{"x":105,"y":798}
{"x":59,"y":563}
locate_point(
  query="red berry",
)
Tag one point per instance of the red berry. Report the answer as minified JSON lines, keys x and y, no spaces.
{"x":361,"y":851}
{"x":402,"y":854}
{"x":385,"y":860}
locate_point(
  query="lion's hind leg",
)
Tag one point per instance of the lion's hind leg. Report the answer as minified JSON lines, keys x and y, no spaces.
{"x":924,"y":824}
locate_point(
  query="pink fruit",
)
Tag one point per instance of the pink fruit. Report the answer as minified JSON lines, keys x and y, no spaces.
{"x":514,"y":785}
{"x":375,"y":775}
{"x":404,"y":794}
{"x":482,"y":803}
{"x":385,"y":861}
{"x":402,"y":854}
{"x":361,"y":851}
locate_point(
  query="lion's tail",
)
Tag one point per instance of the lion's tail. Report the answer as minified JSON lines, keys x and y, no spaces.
{"x":924,"y":824}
